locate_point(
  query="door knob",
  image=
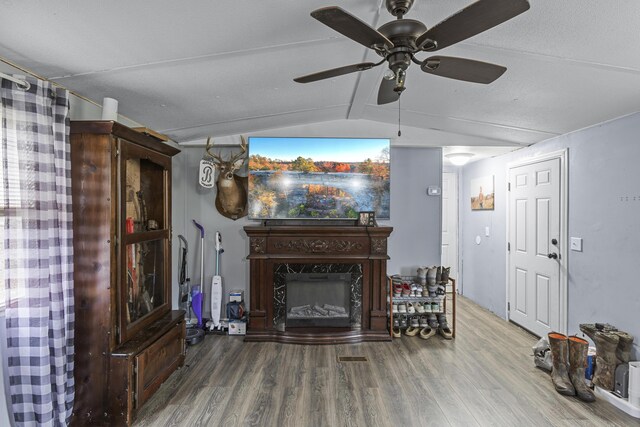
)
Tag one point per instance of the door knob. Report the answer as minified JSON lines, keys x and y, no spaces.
{"x":553,"y":255}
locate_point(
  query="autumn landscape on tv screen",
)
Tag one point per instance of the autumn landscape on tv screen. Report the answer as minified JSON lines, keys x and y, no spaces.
{"x":318,"y":177}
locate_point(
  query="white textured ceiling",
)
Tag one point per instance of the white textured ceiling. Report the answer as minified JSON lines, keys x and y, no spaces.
{"x":198,"y":68}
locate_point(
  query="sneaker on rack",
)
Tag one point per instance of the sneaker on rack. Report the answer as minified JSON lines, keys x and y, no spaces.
{"x":419,"y":307}
{"x":406,"y":289}
{"x":397,"y":289}
{"x":427,"y":307}
{"x":435,"y":307}
{"x":394,"y":308}
{"x":415,"y":322}
{"x":403,"y":322}
{"x":433,"y":321}
{"x":402,"y":308}
{"x":410,"y":308}
{"x":443,"y":327}
{"x":423,"y":322}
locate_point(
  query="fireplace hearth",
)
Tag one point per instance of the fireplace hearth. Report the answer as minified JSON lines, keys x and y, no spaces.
{"x":318,"y":284}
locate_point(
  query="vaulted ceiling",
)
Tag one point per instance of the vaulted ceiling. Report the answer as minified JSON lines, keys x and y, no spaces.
{"x":198,"y":68}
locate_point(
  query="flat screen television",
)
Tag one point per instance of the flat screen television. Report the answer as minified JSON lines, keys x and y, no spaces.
{"x":321,"y":178}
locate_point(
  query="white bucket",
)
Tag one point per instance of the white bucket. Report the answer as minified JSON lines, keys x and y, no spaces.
{"x":634,"y":383}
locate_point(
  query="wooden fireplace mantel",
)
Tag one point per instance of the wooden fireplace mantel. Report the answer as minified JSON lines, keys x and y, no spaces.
{"x":270,"y":246}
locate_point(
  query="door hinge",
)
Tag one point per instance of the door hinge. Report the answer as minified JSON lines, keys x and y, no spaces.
{"x":508,"y":247}
{"x":508,"y":306}
{"x":508,"y":186}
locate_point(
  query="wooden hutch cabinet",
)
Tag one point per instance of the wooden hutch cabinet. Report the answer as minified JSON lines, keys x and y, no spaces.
{"x":127,"y":338}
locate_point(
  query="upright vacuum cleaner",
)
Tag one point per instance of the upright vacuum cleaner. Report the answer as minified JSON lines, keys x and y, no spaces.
{"x":196,"y":334}
{"x":216,"y":288}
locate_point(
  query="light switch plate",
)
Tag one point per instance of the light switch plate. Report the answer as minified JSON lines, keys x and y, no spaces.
{"x":576,"y":244}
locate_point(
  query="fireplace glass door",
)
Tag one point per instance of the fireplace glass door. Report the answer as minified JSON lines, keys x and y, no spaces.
{"x":318,"y":300}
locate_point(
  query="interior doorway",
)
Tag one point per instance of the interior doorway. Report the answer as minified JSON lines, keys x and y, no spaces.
{"x":449,"y":252}
{"x":536,"y":248}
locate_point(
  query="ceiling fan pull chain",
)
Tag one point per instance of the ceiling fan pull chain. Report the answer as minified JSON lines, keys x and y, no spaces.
{"x":399,"y":132}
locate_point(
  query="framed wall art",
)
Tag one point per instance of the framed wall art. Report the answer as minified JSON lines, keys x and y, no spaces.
{"x":482,"y":193}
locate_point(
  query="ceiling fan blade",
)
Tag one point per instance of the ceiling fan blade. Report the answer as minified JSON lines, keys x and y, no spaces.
{"x":386,"y":94}
{"x":334,"y":72}
{"x":352,"y":27}
{"x":472,"y":20}
{"x":467,"y":70}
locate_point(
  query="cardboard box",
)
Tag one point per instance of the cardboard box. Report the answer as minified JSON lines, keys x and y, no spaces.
{"x":237,"y":327}
{"x":236,"y":295}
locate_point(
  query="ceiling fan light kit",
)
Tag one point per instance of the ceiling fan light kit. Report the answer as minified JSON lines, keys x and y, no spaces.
{"x":398,"y":41}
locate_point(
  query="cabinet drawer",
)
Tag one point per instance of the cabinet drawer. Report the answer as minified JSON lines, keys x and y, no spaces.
{"x":158,"y":361}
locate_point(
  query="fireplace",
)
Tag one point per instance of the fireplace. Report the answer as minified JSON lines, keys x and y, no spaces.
{"x":318,"y":300}
{"x":303,"y":277}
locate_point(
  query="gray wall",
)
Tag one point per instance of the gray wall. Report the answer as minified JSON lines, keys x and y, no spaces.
{"x":604,"y":210}
{"x":414,"y":215}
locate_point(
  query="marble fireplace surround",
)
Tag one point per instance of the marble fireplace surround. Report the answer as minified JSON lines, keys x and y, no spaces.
{"x":276,"y":250}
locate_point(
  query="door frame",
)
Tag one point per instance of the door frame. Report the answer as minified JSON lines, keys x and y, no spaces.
{"x":459,"y":285}
{"x":562,"y":155}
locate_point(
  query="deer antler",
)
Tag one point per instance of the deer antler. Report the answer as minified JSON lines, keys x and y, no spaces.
{"x":243,"y":150}
{"x":215,"y":157}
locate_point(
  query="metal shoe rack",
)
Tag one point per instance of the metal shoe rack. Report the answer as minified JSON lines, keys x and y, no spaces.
{"x":448,"y":303}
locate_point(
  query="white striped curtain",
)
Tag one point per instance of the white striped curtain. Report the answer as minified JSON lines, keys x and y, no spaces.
{"x":37,"y":251}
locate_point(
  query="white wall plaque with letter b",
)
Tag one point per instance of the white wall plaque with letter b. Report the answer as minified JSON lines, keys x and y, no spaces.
{"x":207,"y":174}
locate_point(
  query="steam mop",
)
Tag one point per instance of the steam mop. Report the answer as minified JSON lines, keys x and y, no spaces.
{"x":196,"y":334}
{"x":216,"y":288}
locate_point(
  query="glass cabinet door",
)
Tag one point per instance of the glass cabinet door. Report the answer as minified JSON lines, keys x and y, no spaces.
{"x":145,"y":278}
{"x":144,"y":195}
{"x":144,"y":286}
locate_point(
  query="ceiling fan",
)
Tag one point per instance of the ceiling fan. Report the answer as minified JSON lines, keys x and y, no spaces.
{"x":397,"y":42}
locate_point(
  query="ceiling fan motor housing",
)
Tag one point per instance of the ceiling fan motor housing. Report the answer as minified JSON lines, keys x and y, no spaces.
{"x":399,"y":7}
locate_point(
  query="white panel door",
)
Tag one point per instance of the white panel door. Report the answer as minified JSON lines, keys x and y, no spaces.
{"x":534,"y":248}
{"x":449,"y":254}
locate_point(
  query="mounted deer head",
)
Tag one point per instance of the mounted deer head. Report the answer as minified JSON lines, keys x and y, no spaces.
{"x":231,"y":197}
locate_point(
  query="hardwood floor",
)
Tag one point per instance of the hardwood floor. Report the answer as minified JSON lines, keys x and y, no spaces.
{"x":484,"y":377}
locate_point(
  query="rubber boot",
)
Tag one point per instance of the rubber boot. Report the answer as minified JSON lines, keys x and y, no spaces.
{"x":445,"y":275}
{"x":422,"y":275}
{"x":625,"y":341}
{"x":559,"y":374}
{"x":431,"y":275}
{"x":578,"y":349}
{"x":606,"y":360}
{"x":625,"y":344}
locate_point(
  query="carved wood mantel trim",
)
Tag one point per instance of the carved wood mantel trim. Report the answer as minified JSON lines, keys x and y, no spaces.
{"x":318,"y":245}
{"x":272,"y":245}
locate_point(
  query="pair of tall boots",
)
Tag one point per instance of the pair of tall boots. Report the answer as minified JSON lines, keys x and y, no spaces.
{"x":569,"y":357}
{"x":613,"y":347}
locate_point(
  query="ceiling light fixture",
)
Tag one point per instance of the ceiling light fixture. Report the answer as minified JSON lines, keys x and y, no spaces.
{"x":459,"y":159}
